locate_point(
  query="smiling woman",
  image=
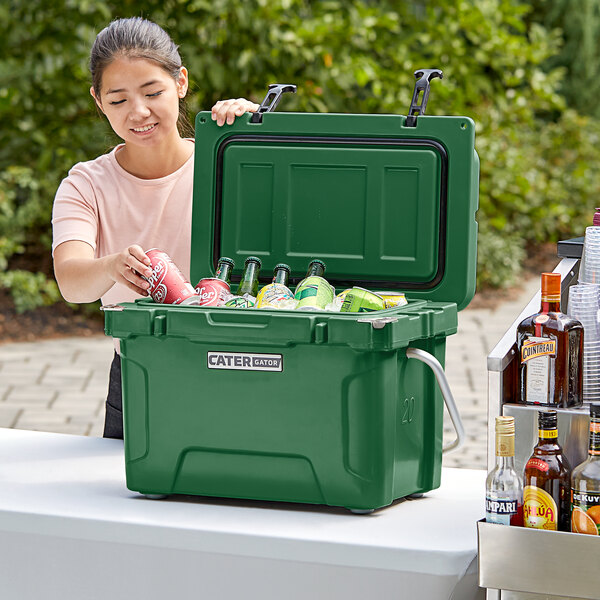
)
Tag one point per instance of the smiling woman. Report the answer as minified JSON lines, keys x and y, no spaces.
{"x":139,"y":195}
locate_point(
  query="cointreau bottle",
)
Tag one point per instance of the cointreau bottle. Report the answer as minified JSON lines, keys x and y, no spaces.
{"x":550,"y":352}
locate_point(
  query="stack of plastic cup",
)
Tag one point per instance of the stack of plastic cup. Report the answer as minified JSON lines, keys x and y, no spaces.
{"x":589,"y":269}
{"x":584,"y":305}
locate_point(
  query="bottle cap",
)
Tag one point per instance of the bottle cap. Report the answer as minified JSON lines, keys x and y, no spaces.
{"x":282,"y":266}
{"x":505,"y":425}
{"x":596,"y":220}
{"x":595,"y":411}
{"x":547,"y":419}
{"x":226,"y":259}
{"x":253,"y":259}
{"x":316,"y":260}
{"x":551,"y":287}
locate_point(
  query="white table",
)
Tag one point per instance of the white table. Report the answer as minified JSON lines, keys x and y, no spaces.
{"x":69,"y":528}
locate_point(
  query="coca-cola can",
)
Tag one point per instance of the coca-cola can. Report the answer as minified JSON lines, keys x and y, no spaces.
{"x":212,"y":291}
{"x":167,"y":283}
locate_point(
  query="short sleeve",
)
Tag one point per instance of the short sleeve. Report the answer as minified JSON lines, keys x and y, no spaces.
{"x":75,"y":212}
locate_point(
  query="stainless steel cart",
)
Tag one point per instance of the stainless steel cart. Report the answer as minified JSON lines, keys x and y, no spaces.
{"x":527,"y":564}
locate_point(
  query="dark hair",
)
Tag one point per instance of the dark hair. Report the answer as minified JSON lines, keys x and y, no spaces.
{"x":138,"y":38}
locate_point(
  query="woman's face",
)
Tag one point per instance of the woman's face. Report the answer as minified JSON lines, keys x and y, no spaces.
{"x":141,"y":100}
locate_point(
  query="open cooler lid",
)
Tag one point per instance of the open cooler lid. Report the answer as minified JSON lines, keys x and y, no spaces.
{"x":388,"y":202}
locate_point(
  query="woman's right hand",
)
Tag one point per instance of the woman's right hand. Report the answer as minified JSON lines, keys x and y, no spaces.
{"x":127,"y":268}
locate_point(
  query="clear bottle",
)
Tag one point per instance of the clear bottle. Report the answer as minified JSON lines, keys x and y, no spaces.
{"x":504,"y":491}
{"x":550,"y":350}
{"x":547,"y":480}
{"x":585,"y":483}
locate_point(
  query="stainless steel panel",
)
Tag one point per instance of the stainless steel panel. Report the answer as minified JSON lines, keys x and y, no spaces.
{"x":525,"y":596}
{"x":546,"y":563}
{"x":573,"y":432}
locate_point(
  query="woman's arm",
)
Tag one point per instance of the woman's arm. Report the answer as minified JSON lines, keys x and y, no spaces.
{"x":83,"y":278}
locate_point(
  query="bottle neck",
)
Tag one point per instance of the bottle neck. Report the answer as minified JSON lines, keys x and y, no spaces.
{"x":281,"y":276}
{"x":548,"y":437}
{"x":315,"y":270}
{"x":594,"y":445}
{"x":505,"y":462}
{"x":550,"y":304}
{"x":224,"y":271}
{"x":249,"y":282}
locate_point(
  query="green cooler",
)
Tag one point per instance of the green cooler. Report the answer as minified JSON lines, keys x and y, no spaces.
{"x":341,"y":409}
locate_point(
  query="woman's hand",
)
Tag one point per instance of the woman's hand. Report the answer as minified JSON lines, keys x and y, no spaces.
{"x":225,"y":111}
{"x":127,"y":268}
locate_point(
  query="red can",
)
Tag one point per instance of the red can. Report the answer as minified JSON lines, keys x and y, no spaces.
{"x":167,"y":283}
{"x":212,"y":291}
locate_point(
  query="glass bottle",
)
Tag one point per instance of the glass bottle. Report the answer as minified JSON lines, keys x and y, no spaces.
{"x":224,"y":268}
{"x":276,"y":294}
{"x":249,"y":281}
{"x":585,"y":483}
{"x":547,"y":480}
{"x":316,"y":268}
{"x":504,"y":491}
{"x":550,"y":351}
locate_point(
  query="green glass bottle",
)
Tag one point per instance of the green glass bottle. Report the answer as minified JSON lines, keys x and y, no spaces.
{"x":249,"y":282}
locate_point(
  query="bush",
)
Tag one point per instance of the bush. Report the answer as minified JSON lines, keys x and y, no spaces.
{"x":353,"y":56}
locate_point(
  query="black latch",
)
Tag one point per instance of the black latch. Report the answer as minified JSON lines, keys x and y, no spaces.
{"x":269,"y":104}
{"x":419,"y":103}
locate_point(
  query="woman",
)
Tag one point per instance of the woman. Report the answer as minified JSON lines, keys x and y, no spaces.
{"x":139,"y":195}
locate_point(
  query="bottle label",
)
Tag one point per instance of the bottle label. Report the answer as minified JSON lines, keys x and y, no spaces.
{"x":537,"y":355}
{"x":539,"y":509}
{"x":594,"y":449}
{"x":500,"y":510}
{"x":548,"y":434}
{"x":585,"y":512}
{"x":537,"y":463}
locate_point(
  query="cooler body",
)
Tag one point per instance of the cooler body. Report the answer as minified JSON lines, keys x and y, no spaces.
{"x":282,"y":406}
{"x":315,"y":407}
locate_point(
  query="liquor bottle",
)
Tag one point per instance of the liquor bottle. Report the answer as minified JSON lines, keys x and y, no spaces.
{"x":547,"y":480}
{"x":276,"y":294}
{"x":504,"y":492}
{"x":585,"y":483}
{"x":213,"y":291}
{"x":550,"y":351}
{"x":314,"y":292}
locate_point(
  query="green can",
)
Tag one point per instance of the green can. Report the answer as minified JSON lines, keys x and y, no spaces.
{"x":360,"y":300}
{"x":314,"y":293}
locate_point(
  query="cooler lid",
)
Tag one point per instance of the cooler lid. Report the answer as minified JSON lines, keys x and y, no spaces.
{"x":385,"y":205}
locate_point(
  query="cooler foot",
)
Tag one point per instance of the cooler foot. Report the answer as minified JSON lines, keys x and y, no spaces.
{"x":414,"y":496}
{"x":361,"y":511}
{"x":155,"y":496}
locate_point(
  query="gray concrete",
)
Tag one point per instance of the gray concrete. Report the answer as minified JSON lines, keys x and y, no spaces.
{"x":60,"y":385}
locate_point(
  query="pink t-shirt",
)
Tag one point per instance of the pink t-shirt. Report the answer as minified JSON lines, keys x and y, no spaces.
{"x":108,"y":208}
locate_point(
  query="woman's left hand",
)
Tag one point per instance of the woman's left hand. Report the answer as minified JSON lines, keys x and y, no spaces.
{"x":225,"y":111}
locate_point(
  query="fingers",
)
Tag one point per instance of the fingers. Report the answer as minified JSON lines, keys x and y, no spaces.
{"x":226,"y":111}
{"x":131,"y":268}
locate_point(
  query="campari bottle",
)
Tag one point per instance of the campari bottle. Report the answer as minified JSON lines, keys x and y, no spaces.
{"x":504,"y":492}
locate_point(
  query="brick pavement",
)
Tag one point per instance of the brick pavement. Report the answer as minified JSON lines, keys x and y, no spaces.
{"x":60,"y":385}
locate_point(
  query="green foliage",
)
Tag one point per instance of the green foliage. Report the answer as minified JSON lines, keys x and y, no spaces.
{"x":537,"y":157}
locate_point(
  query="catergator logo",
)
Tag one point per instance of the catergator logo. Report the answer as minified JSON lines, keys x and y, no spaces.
{"x":535,"y":348}
{"x":245,"y":361}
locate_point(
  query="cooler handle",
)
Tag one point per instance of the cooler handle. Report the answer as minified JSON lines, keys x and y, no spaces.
{"x":432,"y":362}
{"x":271,"y":100}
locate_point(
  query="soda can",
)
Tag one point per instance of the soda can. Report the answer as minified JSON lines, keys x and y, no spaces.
{"x":167,"y":283}
{"x":314,"y":293}
{"x":212,"y":291}
{"x":360,"y":300}
{"x":274,"y":295}
{"x":342,"y":295}
{"x":393,"y":299}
